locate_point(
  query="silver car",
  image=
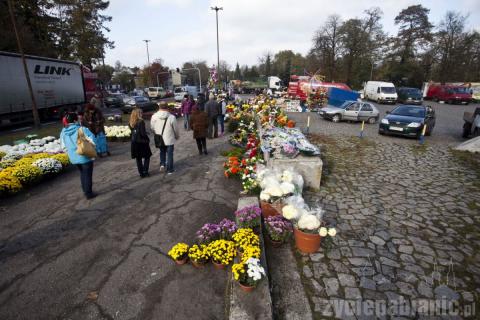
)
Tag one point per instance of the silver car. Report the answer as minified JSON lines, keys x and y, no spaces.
{"x":351,"y":111}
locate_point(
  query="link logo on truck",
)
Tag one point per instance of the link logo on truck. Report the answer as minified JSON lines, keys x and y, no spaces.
{"x":52,"y":70}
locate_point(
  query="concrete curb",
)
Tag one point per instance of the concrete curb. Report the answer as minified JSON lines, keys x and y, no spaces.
{"x":258,"y":303}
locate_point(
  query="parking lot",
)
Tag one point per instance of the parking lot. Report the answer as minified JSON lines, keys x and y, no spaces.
{"x":448,"y":125}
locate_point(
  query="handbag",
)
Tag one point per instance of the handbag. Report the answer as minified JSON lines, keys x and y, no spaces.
{"x":158,"y":137}
{"x":84,"y":146}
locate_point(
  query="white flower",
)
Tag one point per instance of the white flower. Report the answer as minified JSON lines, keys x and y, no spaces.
{"x":48,"y":165}
{"x":264,"y":196}
{"x":323,"y":232}
{"x":287,"y":187}
{"x":332,"y":232}
{"x":274,"y":191}
{"x":308,"y":222}
{"x":289,"y":212}
{"x":287,"y":176}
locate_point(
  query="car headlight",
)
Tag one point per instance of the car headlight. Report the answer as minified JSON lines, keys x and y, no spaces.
{"x":414,"y":125}
{"x":385,"y":121}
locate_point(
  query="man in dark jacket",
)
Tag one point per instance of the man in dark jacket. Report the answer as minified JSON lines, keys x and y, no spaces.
{"x":213,"y":109}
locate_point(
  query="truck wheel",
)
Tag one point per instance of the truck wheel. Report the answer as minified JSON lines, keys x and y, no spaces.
{"x":336,"y":118}
{"x":372,"y":120}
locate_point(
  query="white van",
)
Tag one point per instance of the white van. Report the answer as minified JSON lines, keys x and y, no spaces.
{"x":180,"y":92}
{"x":156,"y":92}
{"x":381,"y":92}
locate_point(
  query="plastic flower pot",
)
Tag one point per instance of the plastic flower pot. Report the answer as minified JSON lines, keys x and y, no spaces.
{"x":246,"y":288}
{"x":269,"y":209}
{"x":306,"y":242}
{"x":218,"y":266}
{"x":181,"y":261}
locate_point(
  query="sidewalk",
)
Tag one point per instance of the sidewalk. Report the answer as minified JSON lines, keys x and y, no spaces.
{"x":64,"y":257}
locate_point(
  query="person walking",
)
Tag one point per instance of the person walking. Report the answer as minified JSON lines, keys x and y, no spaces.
{"x":164,"y":125}
{"x":140,"y":142}
{"x":94,"y":120}
{"x":199,"y":125}
{"x":221,"y":116}
{"x":212,"y":108}
{"x":186,"y":108}
{"x":68,"y":140}
{"x":97,"y":100}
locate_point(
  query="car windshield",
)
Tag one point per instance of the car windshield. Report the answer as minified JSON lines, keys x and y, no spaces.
{"x":178,"y":90}
{"x":152,"y":89}
{"x":460,"y":90}
{"x":409,"y":111}
{"x":413,"y":91}
{"x":346,"y":104}
{"x":388,"y":89}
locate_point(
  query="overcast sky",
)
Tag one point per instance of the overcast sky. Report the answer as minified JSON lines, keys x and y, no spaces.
{"x":184,"y":30}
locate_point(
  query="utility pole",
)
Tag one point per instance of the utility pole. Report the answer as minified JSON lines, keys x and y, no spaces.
{"x":36,"y":117}
{"x":148,"y":63}
{"x":218,"y":47}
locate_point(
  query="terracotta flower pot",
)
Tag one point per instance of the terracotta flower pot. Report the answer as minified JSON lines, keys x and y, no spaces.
{"x":246,"y":288}
{"x":306,"y":242}
{"x":270,"y":209}
{"x":181,"y":261}
{"x":218,"y":266}
{"x":198,"y":265}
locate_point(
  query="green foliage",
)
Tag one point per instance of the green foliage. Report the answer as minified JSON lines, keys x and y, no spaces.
{"x":234,"y":152}
{"x":232,"y":125}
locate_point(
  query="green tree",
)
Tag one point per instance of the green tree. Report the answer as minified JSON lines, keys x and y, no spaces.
{"x":237,"y":75}
{"x":105,"y":73}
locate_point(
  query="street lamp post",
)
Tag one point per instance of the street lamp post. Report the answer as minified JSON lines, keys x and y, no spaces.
{"x":148,"y":62}
{"x":218,"y":47}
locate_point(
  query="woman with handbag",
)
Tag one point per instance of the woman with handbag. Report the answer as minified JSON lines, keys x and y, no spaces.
{"x":79,"y":144}
{"x":140,"y":147}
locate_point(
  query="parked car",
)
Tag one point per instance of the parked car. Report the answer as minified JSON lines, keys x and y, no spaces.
{"x":351,"y":110}
{"x":449,"y":93}
{"x":408,"y":120}
{"x":139,"y":101}
{"x":156,"y":92}
{"x":471,"y":126}
{"x":114,"y":100}
{"x":381,"y":92}
{"x":409,"y":95}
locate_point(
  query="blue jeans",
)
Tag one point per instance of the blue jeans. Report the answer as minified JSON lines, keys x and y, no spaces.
{"x":186,"y":121}
{"x":86,"y":173}
{"x":166,"y":157}
{"x":221,"y":120}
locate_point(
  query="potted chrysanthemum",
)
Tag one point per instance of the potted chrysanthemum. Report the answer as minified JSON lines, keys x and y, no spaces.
{"x":306,"y":227}
{"x":278,"y":230}
{"x":222,"y":253}
{"x":198,"y":255}
{"x":248,"y":273}
{"x":248,"y":217}
{"x":179,"y":253}
{"x":245,"y":237}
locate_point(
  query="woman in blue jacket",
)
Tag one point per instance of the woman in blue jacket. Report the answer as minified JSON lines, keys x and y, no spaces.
{"x":68,"y":139}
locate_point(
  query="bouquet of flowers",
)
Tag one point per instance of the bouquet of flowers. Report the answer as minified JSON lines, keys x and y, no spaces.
{"x":48,"y":165}
{"x":179,"y":251}
{"x":198,"y":253}
{"x":289,"y":150}
{"x":227,"y":229}
{"x":248,"y":273}
{"x":278,"y":228}
{"x":208,"y":233}
{"x":222,"y":251}
{"x":248,"y":217}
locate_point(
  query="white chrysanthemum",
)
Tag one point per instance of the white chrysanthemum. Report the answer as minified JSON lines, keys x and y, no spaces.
{"x":323,"y":232}
{"x":48,"y":165}
{"x":287,"y":176}
{"x":287,"y":187}
{"x":264,"y":196}
{"x":332,"y":232}
{"x":274,"y":191}
{"x":308,"y":222}
{"x":289,"y":212}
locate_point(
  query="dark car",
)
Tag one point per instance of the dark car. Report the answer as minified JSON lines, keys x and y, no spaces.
{"x":410,"y":95}
{"x":408,"y":120}
{"x":114,"y":100}
{"x":139,"y":101}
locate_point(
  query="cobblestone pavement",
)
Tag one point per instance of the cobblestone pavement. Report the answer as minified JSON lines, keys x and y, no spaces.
{"x":408,"y":221}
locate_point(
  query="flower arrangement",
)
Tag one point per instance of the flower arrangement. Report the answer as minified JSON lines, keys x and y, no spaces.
{"x":248,"y":273}
{"x":9,"y":184}
{"x":179,"y":251}
{"x":48,"y":165}
{"x":117,"y":132}
{"x":199,"y":253}
{"x":232,"y":167}
{"x":27,"y":174}
{"x":278,"y":228}
{"x":222,"y":251}
{"x":63,"y":158}
{"x":227,"y":228}
{"x":208,"y":233}
{"x":248,"y":217}
{"x":245,"y":237}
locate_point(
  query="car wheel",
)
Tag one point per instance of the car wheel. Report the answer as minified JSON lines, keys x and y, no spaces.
{"x":336,"y":118}
{"x":372,"y":120}
{"x":449,"y":101}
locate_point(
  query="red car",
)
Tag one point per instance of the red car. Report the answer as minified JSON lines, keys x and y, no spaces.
{"x":449,"y":93}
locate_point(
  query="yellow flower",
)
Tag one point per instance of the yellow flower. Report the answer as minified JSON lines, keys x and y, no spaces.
{"x":238,"y":269}
{"x":63,"y":158}
{"x":178,"y":251}
{"x":9,"y":184}
{"x":198,"y":253}
{"x":27,"y":174}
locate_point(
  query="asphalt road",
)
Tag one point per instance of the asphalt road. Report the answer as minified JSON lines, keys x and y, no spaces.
{"x":448,"y":125}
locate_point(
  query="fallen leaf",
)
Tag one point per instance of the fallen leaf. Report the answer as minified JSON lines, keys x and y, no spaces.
{"x":92,"y":295}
